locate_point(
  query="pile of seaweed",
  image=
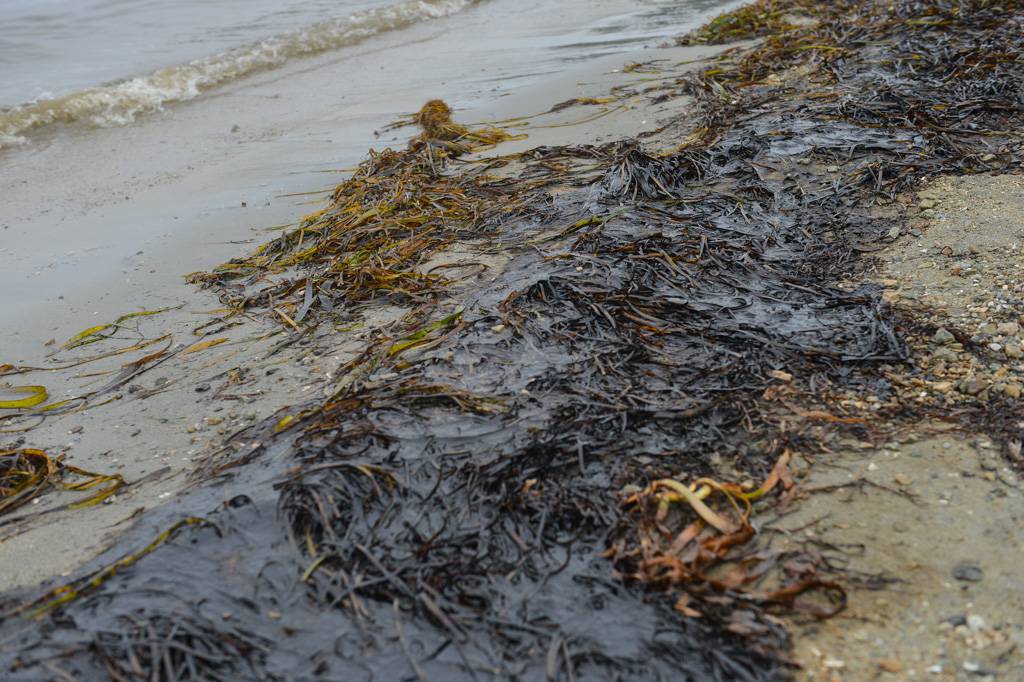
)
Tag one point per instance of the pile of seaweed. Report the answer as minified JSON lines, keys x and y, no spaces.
{"x":555,"y":473}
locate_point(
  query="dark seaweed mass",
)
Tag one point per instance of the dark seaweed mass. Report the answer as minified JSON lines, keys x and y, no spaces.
{"x":460,"y":514}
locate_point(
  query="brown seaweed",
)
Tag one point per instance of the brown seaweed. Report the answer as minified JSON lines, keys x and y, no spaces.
{"x":488,"y":494}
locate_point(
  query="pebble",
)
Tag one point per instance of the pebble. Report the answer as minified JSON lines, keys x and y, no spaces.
{"x":943,"y":336}
{"x":968,"y":572}
{"x":973,"y":386}
{"x":975,"y":622}
{"x":202,"y":388}
{"x":902,"y":479}
{"x":891,"y":665}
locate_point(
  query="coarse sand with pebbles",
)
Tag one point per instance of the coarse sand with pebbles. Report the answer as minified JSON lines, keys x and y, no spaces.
{"x":933,"y":515}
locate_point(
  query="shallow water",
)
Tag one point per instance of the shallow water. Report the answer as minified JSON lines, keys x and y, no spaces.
{"x":106,"y":62}
{"x":108,"y":206}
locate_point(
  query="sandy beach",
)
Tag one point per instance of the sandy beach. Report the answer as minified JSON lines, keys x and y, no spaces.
{"x":891,"y":477}
{"x":158,"y":439}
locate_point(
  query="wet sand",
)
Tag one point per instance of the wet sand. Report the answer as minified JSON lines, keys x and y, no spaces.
{"x":845,"y":648}
{"x":104,"y":223}
{"x":160,"y":439}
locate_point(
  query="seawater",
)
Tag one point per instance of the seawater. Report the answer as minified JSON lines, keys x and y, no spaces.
{"x":147,"y":139}
{"x":106,"y":62}
{"x":109,"y":61}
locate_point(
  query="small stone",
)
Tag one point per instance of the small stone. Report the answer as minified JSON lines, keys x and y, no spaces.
{"x":973,"y":386}
{"x":968,"y":572}
{"x":988,"y":158}
{"x":213,"y":421}
{"x":832,"y":169}
{"x":975,"y":622}
{"x":1013,"y":390}
{"x":1007,"y":328}
{"x":902,"y":479}
{"x":996,"y":347}
{"x":891,"y":665}
{"x":894,"y":233}
{"x":498,"y":328}
{"x":927,"y":203}
{"x":202,"y":388}
{"x":943,"y":336}
{"x":942,"y":386}
{"x":1014,"y":351}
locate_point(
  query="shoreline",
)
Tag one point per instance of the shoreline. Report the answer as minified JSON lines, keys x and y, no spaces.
{"x":170,"y":422}
{"x":879,"y":436}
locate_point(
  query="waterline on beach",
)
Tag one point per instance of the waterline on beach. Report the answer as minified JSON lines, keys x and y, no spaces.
{"x":122,"y":102}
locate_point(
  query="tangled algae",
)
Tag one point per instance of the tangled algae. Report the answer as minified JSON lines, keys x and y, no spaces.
{"x":558,"y":479}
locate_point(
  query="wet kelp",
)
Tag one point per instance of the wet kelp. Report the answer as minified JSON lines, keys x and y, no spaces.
{"x":381,"y":226}
{"x":26,"y":473}
{"x":552,"y":481}
{"x":762,"y":18}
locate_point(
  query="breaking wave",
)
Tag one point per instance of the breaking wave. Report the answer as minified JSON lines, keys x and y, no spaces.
{"x":123,"y":101}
